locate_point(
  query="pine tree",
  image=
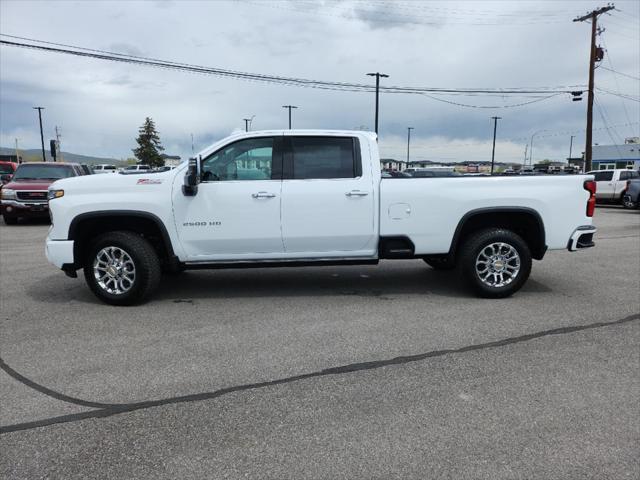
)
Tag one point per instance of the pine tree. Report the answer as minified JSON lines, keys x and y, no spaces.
{"x":149,"y":147}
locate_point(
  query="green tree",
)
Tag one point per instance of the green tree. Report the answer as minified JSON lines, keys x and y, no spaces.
{"x":149,"y":147}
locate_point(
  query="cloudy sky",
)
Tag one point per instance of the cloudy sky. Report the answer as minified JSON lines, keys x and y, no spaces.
{"x":98,"y":105}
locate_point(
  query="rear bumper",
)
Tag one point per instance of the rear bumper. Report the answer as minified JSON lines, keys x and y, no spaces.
{"x":582,"y":237}
{"x":59,"y":252}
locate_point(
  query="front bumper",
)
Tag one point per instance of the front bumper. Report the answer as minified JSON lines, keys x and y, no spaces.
{"x":16,"y":208}
{"x":59,"y":252}
{"x":582,"y":237}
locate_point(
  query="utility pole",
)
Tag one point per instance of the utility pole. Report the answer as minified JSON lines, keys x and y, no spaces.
{"x":378,"y":76}
{"x":289,"y":107}
{"x":192,"y":152}
{"x":571,"y":147}
{"x":44,"y":159}
{"x":493,"y":152}
{"x":408,"y":142}
{"x":593,"y":16}
{"x":58,"y":144}
{"x":524,"y":163}
{"x":17,"y":153}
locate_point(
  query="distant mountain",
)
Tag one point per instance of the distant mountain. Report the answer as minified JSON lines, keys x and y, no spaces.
{"x":36,"y":155}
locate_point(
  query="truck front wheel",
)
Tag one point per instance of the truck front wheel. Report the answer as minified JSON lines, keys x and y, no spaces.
{"x":122,"y":268}
{"x":495,"y":262}
{"x":10,"y":220}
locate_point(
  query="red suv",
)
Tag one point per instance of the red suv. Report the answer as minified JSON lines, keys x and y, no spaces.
{"x":26,"y":193}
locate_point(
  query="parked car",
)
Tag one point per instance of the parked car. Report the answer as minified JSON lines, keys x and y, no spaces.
{"x":631,"y":197}
{"x":396,"y":174}
{"x":7,"y":170}
{"x":26,"y":194}
{"x":136,"y":169}
{"x":611,"y":184}
{"x":86,"y":169}
{"x":435,"y":173}
{"x":323,"y":202}
{"x":105,"y":168}
{"x":164,"y":168}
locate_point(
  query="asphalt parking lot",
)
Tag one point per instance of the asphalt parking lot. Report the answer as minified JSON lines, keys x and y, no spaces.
{"x":388,"y":371}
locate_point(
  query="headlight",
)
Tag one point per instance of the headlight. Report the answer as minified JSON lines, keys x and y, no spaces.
{"x":8,"y":194}
{"x":55,"y":194}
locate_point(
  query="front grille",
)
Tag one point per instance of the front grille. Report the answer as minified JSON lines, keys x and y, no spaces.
{"x":32,"y":196}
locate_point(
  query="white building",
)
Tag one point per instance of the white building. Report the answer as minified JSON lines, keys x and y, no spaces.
{"x":604,"y":157}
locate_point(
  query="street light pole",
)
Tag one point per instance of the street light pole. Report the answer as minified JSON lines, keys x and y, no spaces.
{"x":531,"y":146}
{"x":571,"y":147}
{"x":408,"y":142}
{"x":378,"y":75}
{"x":289,"y":107}
{"x":44,"y":159}
{"x":493,"y":151}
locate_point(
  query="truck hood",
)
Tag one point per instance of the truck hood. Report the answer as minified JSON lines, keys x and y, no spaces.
{"x":40,"y":184}
{"x":114,"y":182}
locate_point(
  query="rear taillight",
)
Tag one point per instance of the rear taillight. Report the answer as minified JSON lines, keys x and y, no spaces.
{"x":590,"y":186}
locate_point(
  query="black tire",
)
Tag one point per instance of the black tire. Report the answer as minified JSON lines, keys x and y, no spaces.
{"x":629,"y":204}
{"x":440,"y":263}
{"x":139,"y":253}
{"x":10,"y":220}
{"x":483,"y":239}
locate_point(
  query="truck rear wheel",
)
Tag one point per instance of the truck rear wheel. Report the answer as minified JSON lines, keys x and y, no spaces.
{"x":495,"y":262}
{"x":122,"y":268}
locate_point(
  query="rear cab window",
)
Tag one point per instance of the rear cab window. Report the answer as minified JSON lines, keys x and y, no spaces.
{"x":318,"y":157}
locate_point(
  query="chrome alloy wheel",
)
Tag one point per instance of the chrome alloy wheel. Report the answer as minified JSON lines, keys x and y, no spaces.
{"x":497,"y":264}
{"x":114,"y":270}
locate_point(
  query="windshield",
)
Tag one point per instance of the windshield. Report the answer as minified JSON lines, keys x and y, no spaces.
{"x":4,"y":169}
{"x":42,"y":172}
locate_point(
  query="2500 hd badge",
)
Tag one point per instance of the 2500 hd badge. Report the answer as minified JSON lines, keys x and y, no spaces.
{"x":201,"y":224}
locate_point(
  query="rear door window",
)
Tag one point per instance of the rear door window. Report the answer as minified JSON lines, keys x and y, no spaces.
{"x":628,"y":175}
{"x":603,"y":176}
{"x":324,"y":157}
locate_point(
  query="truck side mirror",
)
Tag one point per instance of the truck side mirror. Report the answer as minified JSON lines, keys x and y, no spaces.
{"x":191,"y":178}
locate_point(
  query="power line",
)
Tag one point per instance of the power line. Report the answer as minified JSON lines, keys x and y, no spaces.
{"x":291,"y":81}
{"x":615,"y":76}
{"x":619,"y":73}
{"x":539,"y":99}
{"x":621,"y":95}
{"x":605,"y":123}
{"x":411,"y":17}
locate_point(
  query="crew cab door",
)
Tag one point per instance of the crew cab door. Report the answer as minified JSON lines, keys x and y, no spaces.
{"x":329,"y":203}
{"x":235,"y":214}
{"x":604,"y":184}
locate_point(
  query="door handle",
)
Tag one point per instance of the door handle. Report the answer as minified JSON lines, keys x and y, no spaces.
{"x":263,"y":195}
{"x":356,"y":193}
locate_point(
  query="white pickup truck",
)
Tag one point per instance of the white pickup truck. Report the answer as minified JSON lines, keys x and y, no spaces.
{"x":307,"y":197}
